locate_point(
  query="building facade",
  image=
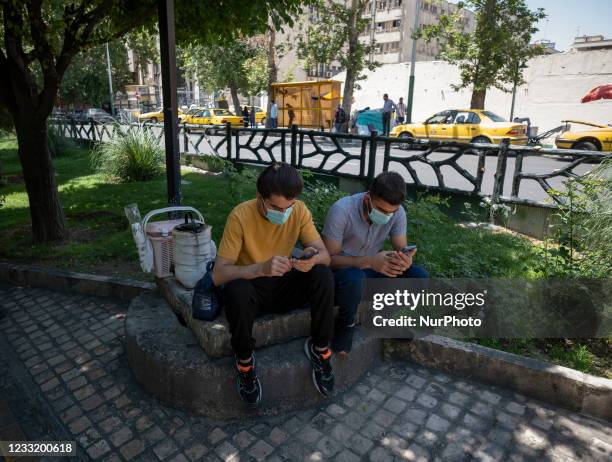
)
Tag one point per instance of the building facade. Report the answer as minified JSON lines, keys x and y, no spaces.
{"x":390,"y":29}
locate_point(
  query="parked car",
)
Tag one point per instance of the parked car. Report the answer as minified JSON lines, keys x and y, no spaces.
{"x":158,"y":116}
{"x":213,"y":116}
{"x":260,"y":114}
{"x":465,"y":126}
{"x":94,"y":115}
{"x":598,"y":138}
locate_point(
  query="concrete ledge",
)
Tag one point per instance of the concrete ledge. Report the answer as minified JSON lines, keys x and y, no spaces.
{"x":68,"y":281}
{"x":166,"y":359}
{"x":548,"y":382}
{"x":214,"y":337}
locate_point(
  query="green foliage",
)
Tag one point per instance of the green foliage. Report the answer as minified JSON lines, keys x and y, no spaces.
{"x":577,"y":357}
{"x":237,"y":63}
{"x":86,"y":79}
{"x":581,"y":242}
{"x":58,"y":143}
{"x":319,"y":196}
{"x":133,"y":156}
{"x":490,"y":55}
{"x":335,"y":37}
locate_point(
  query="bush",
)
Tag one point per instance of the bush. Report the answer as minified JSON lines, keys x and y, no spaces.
{"x":57,"y":142}
{"x":133,"y":156}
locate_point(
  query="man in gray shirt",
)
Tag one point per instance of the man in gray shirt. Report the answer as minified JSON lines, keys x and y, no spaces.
{"x":388,"y":107}
{"x":354,"y":233}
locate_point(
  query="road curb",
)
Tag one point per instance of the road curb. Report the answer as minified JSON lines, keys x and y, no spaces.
{"x":69,"y":281}
{"x":538,"y":379}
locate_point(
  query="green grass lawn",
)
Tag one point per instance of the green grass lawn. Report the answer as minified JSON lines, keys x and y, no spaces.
{"x":101,"y":243}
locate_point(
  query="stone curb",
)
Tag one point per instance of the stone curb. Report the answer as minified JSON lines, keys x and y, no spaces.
{"x":69,"y":281}
{"x":538,"y":379}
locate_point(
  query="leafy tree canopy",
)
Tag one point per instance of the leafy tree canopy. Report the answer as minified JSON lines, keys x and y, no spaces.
{"x":489,"y":55}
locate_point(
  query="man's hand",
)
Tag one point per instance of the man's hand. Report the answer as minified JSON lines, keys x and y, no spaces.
{"x":305,"y":265}
{"x":276,"y":266}
{"x":405,"y":260}
{"x":387,"y":263}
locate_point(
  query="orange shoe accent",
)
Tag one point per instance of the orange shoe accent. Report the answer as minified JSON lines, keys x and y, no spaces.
{"x":326,"y":354}
{"x":244,"y":368}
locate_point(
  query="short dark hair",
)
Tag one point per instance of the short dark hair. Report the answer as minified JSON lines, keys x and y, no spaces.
{"x":390,"y":187}
{"x":280,"y":179}
{"x":385,"y":95}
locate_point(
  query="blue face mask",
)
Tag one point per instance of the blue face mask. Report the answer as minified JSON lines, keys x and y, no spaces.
{"x":278,"y":218}
{"x":378,"y":217}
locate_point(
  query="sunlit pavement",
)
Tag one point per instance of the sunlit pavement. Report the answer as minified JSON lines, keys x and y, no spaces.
{"x":64,"y":376}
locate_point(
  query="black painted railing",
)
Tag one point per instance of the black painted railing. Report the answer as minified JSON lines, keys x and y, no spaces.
{"x":462,"y":168}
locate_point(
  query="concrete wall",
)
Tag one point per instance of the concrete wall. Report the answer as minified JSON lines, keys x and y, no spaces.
{"x":554,"y":86}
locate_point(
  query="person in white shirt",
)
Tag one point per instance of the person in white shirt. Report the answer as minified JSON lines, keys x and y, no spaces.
{"x":400,"y":112}
{"x":274,"y":115}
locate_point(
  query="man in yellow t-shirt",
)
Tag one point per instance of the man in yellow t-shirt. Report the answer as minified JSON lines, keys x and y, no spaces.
{"x":258,"y":274}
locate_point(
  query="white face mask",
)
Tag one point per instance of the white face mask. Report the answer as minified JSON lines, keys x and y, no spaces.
{"x":378,"y":217}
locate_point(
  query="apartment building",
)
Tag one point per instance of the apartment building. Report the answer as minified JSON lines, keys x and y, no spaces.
{"x":390,"y":27}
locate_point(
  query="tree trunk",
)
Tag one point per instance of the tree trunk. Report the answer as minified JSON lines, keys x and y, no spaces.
{"x":46,"y":213}
{"x":478,"y":99}
{"x":272,"y":70}
{"x":235,"y":100}
{"x":351,"y":73}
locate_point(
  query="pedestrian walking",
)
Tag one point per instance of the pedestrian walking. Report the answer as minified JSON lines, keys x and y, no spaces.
{"x":245,"y":116}
{"x":291,"y":114}
{"x":274,"y":115}
{"x":339,"y":119}
{"x":253,"y":117}
{"x":388,"y":107}
{"x":400,"y":114}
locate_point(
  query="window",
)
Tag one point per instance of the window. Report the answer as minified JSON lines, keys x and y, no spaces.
{"x":493,"y":117}
{"x":396,"y":24}
{"x":467,"y":117}
{"x":443,"y":117}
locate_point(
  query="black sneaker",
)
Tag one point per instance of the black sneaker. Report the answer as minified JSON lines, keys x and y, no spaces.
{"x":247,"y":384}
{"x":343,"y":339}
{"x":322,"y":374}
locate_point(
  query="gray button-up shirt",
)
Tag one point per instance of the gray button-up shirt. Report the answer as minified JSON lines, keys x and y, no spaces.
{"x":389,"y":106}
{"x":345,"y":223}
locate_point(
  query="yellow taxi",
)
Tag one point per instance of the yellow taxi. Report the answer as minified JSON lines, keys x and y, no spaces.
{"x":212,"y":116}
{"x":157,"y":116}
{"x":598,"y":138}
{"x":466,"y":126}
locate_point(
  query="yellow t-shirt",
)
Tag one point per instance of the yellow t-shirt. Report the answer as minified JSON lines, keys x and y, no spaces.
{"x":250,"y":238}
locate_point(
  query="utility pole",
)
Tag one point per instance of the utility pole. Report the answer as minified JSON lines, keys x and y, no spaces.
{"x":110,"y":81}
{"x":167,"y":49}
{"x":413,"y":62}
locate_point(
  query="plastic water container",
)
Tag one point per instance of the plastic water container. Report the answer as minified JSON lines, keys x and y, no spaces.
{"x":192,"y":251}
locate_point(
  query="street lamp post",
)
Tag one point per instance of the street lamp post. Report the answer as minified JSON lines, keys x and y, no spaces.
{"x":516,"y":76}
{"x":110,"y":81}
{"x":413,"y":62}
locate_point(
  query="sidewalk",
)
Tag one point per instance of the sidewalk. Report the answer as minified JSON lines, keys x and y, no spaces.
{"x":64,"y":375}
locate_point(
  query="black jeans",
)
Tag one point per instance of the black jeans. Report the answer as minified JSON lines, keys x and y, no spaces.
{"x":246,"y":299}
{"x":386,"y":123}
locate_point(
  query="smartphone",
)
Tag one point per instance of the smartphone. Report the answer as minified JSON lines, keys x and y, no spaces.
{"x":299,"y":254}
{"x":409,"y":248}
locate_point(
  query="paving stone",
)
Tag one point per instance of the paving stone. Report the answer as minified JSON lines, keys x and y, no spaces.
{"x":380,"y":455}
{"x":329,"y":446}
{"x":416,"y":416}
{"x":227,"y":452}
{"x":165,"y":449}
{"x":427,"y":401}
{"x":360,"y":444}
{"x":515,"y":408}
{"x":373,"y":430}
{"x":437,"y":424}
{"x":406,"y":393}
{"x":243,"y":439}
{"x":121,"y":436}
{"x":394,"y":405}
{"x":309,"y":435}
{"x":347,"y":456}
{"x":342,"y":433}
{"x":98,"y":449}
{"x":132,"y":449}
{"x":196,"y":451}
{"x":79,"y":425}
{"x":415,"y":381}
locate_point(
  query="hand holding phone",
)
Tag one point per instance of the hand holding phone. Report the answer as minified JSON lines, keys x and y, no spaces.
{"x":409,"y":248}
{"x":299,"y":254}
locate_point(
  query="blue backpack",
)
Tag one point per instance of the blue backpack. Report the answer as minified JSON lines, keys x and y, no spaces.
{"x":206,"y":303}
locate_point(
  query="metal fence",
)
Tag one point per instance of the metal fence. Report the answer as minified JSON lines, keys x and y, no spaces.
{"x":497,"y":171}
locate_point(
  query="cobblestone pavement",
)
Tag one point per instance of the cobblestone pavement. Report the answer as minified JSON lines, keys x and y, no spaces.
{"x":64,"y":376}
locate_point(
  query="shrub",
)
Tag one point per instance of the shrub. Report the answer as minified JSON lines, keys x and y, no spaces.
{"x":132,"y":156}
{"x":58,"y":143}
